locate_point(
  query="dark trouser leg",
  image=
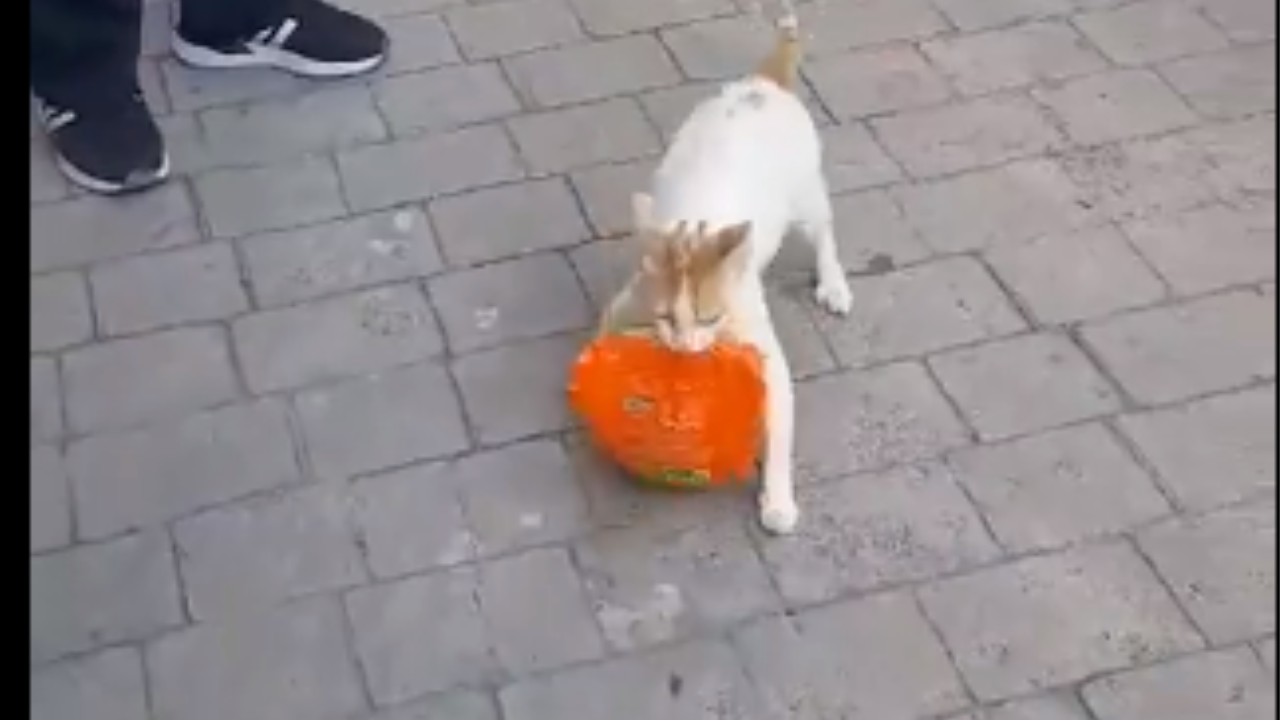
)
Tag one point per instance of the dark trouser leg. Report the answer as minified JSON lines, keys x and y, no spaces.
{"x":83,"y":48}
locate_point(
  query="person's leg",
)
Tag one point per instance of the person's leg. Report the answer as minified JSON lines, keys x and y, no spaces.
{"x":306,"y":37}
{"x":84,"y":56}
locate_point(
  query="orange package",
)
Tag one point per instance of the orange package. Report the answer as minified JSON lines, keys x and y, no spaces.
{"x":673,"y":419}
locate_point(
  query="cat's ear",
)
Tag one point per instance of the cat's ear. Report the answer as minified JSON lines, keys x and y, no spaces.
{"x":642,"y":212}
{"x":733,"y":246}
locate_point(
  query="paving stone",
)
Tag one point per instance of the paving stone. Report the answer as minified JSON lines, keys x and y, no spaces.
{"x":1115,"y":105}
{"x":290,"y":663}
{"x":1052,"y":620}
{"x":50,"y":500}
{"x":604,"y":17}
{"x":520,"y":496}
{"x":446,"y":98}
{"x":281,"y":129}
{"x":1171,"y":353}
{"x":191,"y":88}
{"x":1227,"y":685}
{"x":421,"y":635}
{"x":1058,"y":488}
{"x":918,"y":310}
{"x":878,"y":530}
{"x":46,"y":181}
{"x":263,"y":552}
{"x":348,"y":335}
{"x":854,"y":159}
{"x":1149,"y":31}
{"x":837,"y":27}
{"x":157,"y":27}
{"x":1211,"y":247}
{"x":1144,"y":178}
{"x":803,"y":342}
{"x":381,"y":176}
{"x":456,"y":705}
{"x":971,"y":15}
{"x":143,"y":380}
{"x":1005,"y":205}
{"x":520,"y":299}
{"x":45,"y":415}
{"x":385,"y":9}
{"x":563,"y":140}
{"x":868,"y":420}
{"x":1242,"y":20}
{"x":89,"y":596}
{"x":1213,"y":451}
{"x":511,"y":27}
{"x":421,"y":42}
{"x":517,"y":391}
{"x":650,"y":587}
{"x":151,"y":83}
{"x":614,"y":500}
{"x":296,"y":265}
{"x":91,"y":229}
{"x":720,"y":49}
{"x":689,"y":682}
{"x":242,"y":201}
{"x":605,"y":194}
{"x":1267,"y":652}
{"x":564,"y":632}
{"x":605,"y":267}
{"x":992,"y":384}
{"x":1058,"y":706}
{"x":593,"y":71}
{"x":1075,"y":276}
{"x":877,"y":81}
{"x":60,"y":312}
{"x":1222,"y":568}
{"x":975,"y":133}
{"x":154,"y":475}
{"x":411,"y":520}
{"x":157,"y":290}
{"x":885,"y":663}
{"x":1230,"y":84}
{"x":1239,"y":158}
{"x":378,"y":422}
{"x":1014,"y":57}
{"x":105,"y":686}
{"x":508,"y":221}
{"x":872,"y":233}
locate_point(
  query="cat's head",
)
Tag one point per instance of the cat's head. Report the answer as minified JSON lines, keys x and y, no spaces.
{"x":689,"y":276}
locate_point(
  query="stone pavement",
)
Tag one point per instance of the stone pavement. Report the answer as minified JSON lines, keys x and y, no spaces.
{"x":299,"y":450}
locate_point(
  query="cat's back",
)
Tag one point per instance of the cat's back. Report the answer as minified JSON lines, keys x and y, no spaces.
{"x":751,"y":136}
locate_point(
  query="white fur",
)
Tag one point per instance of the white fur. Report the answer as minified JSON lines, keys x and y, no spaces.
{"x":752,"y":153}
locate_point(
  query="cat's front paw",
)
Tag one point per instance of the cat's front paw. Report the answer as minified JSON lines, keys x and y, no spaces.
{"x":779,"y":515}
{"x":834,"y":295}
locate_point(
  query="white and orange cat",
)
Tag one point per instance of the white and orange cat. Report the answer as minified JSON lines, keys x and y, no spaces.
{"x":743,"y":171}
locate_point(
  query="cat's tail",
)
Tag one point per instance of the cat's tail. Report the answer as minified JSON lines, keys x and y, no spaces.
{"x":783,"y":64}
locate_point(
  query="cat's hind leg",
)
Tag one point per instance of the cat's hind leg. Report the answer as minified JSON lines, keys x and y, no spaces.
{"x":814,"y":220}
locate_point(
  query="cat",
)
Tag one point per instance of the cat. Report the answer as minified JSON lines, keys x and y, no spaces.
{"x":743,"y":170}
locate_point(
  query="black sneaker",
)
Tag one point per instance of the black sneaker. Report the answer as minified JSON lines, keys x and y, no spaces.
{"x":106,"y":146}
{"x":313,"y":39}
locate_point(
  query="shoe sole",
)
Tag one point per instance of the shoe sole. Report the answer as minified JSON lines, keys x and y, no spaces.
{"x":261,"y":56}
{"x":134,"y":183}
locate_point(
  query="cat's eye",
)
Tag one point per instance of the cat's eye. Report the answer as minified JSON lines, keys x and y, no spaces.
{"x":711,"y":320}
